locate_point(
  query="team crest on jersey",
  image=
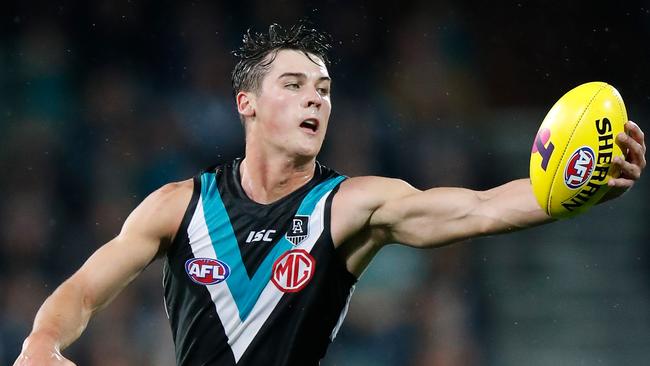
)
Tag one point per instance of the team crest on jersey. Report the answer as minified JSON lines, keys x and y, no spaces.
{"x":207,"y":271}
{"x":293,"y":270}
{"x":299,"y":229}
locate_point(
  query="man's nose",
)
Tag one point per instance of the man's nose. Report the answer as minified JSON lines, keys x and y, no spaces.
{"x":313,"y":99}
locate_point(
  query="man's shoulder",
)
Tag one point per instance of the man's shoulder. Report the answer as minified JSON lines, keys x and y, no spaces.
{"x":172,"y":196}
{"x":173,"y":189}
{"x":168,"y":201}
{"x":361,"y":196}
{"x":373,"y":188}
{"x":357,"y":201}
{"x":160,"y":214}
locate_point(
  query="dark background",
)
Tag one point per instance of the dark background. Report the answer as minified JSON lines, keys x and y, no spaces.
{"x":102,"y":102}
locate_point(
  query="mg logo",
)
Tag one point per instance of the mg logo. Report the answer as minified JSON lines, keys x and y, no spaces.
{"x":293,"y":270}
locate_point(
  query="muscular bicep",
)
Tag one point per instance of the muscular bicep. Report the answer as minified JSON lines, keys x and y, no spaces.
{"x":429,"y":218}
{"x":112,"y":267}
{"x":145,"y":234}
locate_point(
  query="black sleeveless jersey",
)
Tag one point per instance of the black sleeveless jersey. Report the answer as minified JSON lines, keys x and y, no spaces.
{"x":253,"y":284}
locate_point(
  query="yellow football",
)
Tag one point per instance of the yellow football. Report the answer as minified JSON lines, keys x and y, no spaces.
{"x":570,"y":162}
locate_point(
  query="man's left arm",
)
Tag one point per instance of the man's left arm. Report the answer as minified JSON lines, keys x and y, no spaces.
{"x":440,"y":216}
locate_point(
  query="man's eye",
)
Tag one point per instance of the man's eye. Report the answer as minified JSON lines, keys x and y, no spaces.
{"x":324,"y":91}
{"x":293,"y":86}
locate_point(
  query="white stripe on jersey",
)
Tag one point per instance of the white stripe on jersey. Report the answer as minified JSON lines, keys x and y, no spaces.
{"x":344,"y":312}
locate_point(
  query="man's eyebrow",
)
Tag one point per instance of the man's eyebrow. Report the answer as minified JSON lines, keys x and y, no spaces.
{"x":292,"y":74}
{"x":301,"y":75}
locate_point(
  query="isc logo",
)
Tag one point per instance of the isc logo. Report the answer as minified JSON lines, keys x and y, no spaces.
{"x":579,"y":167}
{"x":207,"y":271}
{"x":263,"y":235}
{"x":293,"y":270}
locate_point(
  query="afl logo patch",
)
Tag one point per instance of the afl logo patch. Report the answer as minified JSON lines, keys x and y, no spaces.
{"x":579,"y":167}
{"x":293,"y":270}
{"x":207,"y":271}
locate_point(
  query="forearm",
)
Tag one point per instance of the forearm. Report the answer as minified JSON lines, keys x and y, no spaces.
{"x":510,"y":207}
{"x":62,"y":317}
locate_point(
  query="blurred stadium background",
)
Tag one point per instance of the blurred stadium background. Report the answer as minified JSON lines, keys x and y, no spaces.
{"x":102,"y":102}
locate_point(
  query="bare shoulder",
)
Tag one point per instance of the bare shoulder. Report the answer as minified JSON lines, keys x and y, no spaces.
{"x":161,"y":213}
{"x":353,"y":209}
{"x":368,"y":193}
{"x":371,"y":186}
{"x":358,"y":198}
{"x":174,"y":194}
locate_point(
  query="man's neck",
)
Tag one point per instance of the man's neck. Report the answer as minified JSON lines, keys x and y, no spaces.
{"x":266,"y":179}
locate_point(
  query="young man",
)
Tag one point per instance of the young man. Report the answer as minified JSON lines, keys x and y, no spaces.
{"x":262,"y":253}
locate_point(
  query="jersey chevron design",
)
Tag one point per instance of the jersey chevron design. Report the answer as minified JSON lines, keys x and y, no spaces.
{"x":241,"y":296}
{"x":247,"y":318}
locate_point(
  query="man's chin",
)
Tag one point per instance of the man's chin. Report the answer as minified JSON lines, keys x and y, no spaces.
{"x":307,"y":152}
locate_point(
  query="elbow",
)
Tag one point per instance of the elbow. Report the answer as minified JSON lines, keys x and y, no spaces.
{"x":483,"y":217}
{"x":75,"y":289}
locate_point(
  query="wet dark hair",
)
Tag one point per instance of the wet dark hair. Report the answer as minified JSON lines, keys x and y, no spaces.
{"x":254,"y":62}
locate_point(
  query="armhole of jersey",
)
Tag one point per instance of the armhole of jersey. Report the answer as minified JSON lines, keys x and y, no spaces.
{"x":328,"y":219}
{"x":181,"y":234}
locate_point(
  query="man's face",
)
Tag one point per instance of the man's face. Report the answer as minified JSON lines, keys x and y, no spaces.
{"x":293,"y":106}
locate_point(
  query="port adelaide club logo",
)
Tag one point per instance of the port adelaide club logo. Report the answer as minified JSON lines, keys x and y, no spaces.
{"x":299,"y":229}
{"x":293,"y":270}
{"x":207,"y":271}
{"x":579,"y":167}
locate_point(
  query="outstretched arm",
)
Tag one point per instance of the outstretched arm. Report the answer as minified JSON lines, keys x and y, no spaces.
{"x":387,"y":211}
{"x":440,"y":216}
{"x":373,"y":211}
{"x":64,"y":315}
{"x":443,"y":215}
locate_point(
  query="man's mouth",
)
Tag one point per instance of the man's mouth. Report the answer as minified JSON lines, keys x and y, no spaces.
{"x":310,"y":124}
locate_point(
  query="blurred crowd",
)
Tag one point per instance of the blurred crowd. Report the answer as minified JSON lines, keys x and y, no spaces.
{"x":101,"y":104}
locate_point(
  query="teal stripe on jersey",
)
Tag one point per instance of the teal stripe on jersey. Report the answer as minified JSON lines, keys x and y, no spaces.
{"x":308,"y":203}
{"x":223,"y":239}
{"x":245,"y":291}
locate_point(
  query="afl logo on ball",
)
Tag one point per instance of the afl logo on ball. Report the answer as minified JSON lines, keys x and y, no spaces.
{"x":293,"y":270}
{"x":207,"y":271}
{"x":579,"y":167}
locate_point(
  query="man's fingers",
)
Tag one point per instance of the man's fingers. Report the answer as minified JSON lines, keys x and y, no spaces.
{"x":635,"y":152}
{"x":635,"y":132}
{"x":627,"y":169}
{"x":631,"y":166}
{"x":620,"y":183}
{"x":636,"y":143}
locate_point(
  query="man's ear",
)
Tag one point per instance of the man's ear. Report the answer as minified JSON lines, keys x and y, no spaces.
{"x":246,"y":104}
